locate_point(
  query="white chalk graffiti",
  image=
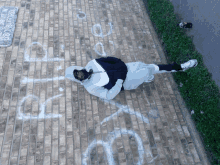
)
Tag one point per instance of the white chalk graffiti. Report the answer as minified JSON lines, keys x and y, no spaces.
{"x":45,"y":58}
{"x":61,"y":89}
{"x":115,"y":134}
{"x":103,"y":51}
{"x":42,"y":114}
{"x":62,"y":47}
{"x":108,"y":149}
{"x":79,"y":15}
{"x":27,"y":80}
{"x":100,"y":28}
{"x":153,"y":114}
{"x":126,"y":110}
{"x":58,"y":68}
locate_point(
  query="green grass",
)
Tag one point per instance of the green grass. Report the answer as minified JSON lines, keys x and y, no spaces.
{"x":199,"y":91}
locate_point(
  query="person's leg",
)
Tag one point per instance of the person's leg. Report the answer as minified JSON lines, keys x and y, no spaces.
{"x":175,"y":67}
{"x":167,"y":68}
{"x":155,"y":69}
{"x":170,"y":67}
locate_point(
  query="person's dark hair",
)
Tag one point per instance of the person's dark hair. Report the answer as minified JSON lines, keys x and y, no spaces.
{"x":75,"y":73}
{"x":83,"y":74}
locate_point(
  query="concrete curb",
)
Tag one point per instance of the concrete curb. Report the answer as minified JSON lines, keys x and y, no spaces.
{"x":191,"y":125}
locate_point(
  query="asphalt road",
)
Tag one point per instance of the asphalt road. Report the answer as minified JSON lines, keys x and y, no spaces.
{"x":205,"y":17}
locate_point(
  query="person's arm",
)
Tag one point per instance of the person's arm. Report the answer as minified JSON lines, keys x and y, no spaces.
{"x":108,"y":94}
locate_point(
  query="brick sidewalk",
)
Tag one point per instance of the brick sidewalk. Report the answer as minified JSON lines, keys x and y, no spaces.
{"x":78,"y":128}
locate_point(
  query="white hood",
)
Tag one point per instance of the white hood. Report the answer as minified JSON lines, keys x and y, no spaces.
{"x":69,"y":73}
{"x":98,"y":79}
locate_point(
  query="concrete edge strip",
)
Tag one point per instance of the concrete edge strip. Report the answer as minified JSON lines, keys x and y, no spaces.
{"x":190,"y":123}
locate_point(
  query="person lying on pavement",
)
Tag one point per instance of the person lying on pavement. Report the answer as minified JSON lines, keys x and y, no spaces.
{"x":105,"y":77}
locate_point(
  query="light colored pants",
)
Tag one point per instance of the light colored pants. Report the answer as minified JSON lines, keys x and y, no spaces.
{"x":139,"y":72}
